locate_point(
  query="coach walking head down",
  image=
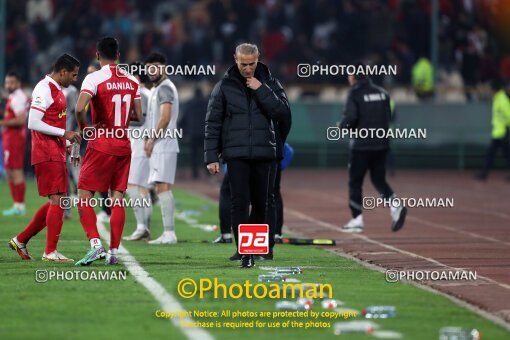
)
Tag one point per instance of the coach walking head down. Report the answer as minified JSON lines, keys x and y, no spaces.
{"x":239,"y":129}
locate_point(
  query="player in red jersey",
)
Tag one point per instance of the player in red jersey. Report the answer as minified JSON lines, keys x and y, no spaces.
{"x":47,"y":120}
{"x":14,"y":138}
{"x":113,"y":94}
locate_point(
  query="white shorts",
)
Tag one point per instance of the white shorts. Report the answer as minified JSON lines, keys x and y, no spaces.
{"x":162,"y":167}
{"x":139,"y":172}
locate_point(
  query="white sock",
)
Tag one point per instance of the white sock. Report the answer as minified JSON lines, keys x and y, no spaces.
{"x":20,"y":206}
{"x":18,"y":242}
{"x":136,"y":198}
{"x":359,"y":219}
{"x":147,"y":211}
{"x":227,"y":236}
{"x":95,"y":243}
{"x":113,"y":251}
{"x":167,"y":202}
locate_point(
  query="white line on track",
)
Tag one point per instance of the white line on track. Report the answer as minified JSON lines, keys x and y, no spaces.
{"x":339,"y":200}
{"x":455,"y":230}
{"x":489,"y":316}
{"x":387,"y":246}
{"x":452,"y":298}
{"x":167,"y":302}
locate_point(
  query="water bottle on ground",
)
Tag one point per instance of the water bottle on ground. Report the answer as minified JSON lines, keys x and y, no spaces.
{"x":291,"y":306}
{"x":458,"y":333}
{"x":305,"y":301}
{"x":288,"y":270}
{"x":379,"y":312}
{"x":329,"y":304}
{"x":271,"y":278}
{"x":354,"y":327}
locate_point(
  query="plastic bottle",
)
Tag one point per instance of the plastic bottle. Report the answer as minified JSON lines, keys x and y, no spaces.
{"x":75,"y":150}
{"x":288,"y":270}
{"x":329,"y":304}
{"x":305,"y":301}
{"x":379,"y":312}
{"x":271,"y":278}
{"x":353,"y":327}
{"x":458,"y":333}
{"x":291,"y":305}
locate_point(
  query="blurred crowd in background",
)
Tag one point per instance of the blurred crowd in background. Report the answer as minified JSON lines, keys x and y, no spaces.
{"x":288,"y":32}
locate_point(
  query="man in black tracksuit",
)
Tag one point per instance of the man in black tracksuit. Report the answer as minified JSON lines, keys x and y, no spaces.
{"x":368,"y":107}
{"x":238,"y":126}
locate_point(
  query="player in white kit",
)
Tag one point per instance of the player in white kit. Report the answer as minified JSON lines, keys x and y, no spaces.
{"x":138,"y":181}
{"x":163,"y":112}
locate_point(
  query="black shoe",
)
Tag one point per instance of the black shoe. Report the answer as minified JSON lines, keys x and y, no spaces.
{"x":221,"y":239}
{"x":278,"y":239}
{"x":247,"y":261}
{"x":397,"y":224}
{"x":266,"y":257}
{"x":235,"y":257}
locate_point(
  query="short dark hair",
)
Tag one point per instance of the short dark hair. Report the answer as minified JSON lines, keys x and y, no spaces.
{"x":142,"y":75}
{"x":155,"y":57}
{"x":108,"y":48}
{"x":67,"y":62}
{"x":360,"y":64}
{"x":13,"y":74}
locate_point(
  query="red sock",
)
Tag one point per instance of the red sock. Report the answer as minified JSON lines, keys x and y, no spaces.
{"x":13,"y":190}
{"x":37,"y":224}
{"x":54,"y":222}
{"x":88,"y":220}
{"x":19,"y":192}
{"x":117,"y":220}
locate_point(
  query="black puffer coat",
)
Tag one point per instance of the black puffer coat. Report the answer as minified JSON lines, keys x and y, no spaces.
{"x":238,"y":121}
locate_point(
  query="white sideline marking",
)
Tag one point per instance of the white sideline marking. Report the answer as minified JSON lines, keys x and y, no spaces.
{"x":167,"y":302}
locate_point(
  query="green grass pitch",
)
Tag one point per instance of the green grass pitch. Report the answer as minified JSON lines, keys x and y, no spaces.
{"x":126,"y":310}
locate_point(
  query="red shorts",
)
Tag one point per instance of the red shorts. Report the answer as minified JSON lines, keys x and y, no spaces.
{"x":51,"y":178}
{"x":14,"y":156}
{"x":101,"y":171}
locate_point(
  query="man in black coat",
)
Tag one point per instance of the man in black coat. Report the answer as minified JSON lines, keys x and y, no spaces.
{"x":239,"y":129}
{"x":368,"y":107}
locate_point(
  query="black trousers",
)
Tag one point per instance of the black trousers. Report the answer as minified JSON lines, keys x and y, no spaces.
{"x":225,"y":206}
{"x":360,"y":162}
{"x":274,"y":203}
{"x":249,"y":180}
{"x":496,"y":144}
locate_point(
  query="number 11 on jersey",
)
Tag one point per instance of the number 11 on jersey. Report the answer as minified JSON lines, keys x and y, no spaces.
{"x":118,"y":99}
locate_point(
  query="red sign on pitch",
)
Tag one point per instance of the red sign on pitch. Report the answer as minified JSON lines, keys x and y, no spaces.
{"x":253,"y":239}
